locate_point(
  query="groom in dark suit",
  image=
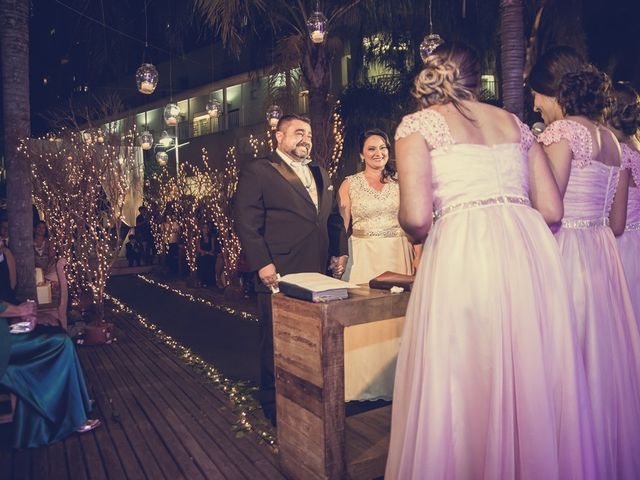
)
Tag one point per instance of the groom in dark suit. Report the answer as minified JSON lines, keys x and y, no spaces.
{"x":288,"y":222}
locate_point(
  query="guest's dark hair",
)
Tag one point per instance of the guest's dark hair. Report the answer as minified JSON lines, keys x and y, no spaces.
{"x":586,"y":93}
{"x":388,"y":172}
{"x":290,"y":117}
{"x":625,"y":108}
{"x":451,"y":74}
{"x":547,"y":73}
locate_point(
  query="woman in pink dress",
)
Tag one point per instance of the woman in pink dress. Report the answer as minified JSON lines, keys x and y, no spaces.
{"x":624,"y":122}
{"x":585,"y":159}
{"x":490,"y":383}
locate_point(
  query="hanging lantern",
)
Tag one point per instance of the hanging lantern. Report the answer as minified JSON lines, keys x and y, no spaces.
{"x":87,"y":137}
{"x":146,"y":78}
{"x":429,"y":44}
{"x":317,"y":26}
{"x":162,"y":158}
{"x":214,"y":108}
{"x":171,"y":114}
{"x":166,"y":140}
{"x":274,"y":112}
{"x":146,"y":140}
{"x":100,"y":136}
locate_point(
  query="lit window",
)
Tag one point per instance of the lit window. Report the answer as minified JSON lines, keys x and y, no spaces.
{"x":45,"y":81}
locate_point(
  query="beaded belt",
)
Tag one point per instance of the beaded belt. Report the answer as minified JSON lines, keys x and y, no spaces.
{"x":632,"y":227}
{"x":387,"y":233}
{"x":598,"y":223}
{"x":481,"y":203}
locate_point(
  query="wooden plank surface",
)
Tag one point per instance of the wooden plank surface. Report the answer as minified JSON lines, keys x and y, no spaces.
{"x":161,"y":420}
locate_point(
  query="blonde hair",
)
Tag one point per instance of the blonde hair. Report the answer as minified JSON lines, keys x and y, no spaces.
{"x":451,"y":74}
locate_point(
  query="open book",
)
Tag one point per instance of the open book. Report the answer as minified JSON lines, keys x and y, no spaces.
{"x":314,"y":287}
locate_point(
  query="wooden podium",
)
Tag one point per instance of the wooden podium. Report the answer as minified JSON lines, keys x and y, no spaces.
{"x":314,"y":439}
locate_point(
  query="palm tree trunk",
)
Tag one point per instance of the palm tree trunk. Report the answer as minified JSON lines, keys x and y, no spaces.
{"x":315,"y":66}
{"x":512,"y":55}
{"x":14,"y":54}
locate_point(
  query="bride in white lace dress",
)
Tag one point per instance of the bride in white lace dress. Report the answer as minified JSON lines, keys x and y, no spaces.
{"x":490,"y":383}
{"x":369,"y":202}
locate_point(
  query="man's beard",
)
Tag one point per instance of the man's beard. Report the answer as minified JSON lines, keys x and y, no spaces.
{"x":301,"y":151}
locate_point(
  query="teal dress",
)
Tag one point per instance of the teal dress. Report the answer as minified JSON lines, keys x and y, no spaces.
{"x":44,"y":372}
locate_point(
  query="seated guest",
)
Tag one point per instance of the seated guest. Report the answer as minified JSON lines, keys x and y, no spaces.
{"x":206,"y":257}
{"x":44,"y":256}
{"x":4,"y":231}
{"x":134,"y":251}
{"x":7,"y":274}
{"x":43,"y":371}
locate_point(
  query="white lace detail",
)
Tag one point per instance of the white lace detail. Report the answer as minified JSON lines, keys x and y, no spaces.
{"x":578,"y":136}
{"x":428,"y":123}
{"x":631,"y":160}
{"x":526,"y":137}
{"x":485,"y":202}
{"x":373,"y":213}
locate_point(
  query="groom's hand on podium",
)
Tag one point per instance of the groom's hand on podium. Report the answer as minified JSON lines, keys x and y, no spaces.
{"x":269,"y":277}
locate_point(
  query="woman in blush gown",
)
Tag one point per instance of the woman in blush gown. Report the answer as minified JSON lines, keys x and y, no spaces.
{"x":585,"y":159}
{"x":624,"y":122}
{"x":369,"y":202}
{"x":490,"y":383}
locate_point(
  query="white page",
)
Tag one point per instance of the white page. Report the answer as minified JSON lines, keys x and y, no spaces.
{"x":316,"y":282}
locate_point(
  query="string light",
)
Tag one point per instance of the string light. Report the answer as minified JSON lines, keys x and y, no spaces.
{"x":192,"y":298}
{"x":238,"y":393}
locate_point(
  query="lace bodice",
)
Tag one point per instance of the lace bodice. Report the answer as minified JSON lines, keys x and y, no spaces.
{"x":631,"y":160}
{"x":373,"y":213}
{"x":470,"y":175}
{"x":592,"y":184}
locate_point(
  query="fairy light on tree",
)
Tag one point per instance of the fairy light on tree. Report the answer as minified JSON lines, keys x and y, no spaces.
{"x":81,"y":187}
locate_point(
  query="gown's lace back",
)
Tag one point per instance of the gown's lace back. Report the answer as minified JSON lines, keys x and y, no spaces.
{"x":592,"y":184}
{"x":373,"y":213}
{"x":467,"y":175}
{"x":631,"y":160}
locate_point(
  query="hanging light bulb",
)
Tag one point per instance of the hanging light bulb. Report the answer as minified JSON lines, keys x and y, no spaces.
{"x":429,"y":44}
{"x":317,"y":26}
{"x":431,"y":41}
{"x":171,"y":114}
{"x":214,"y":107}
{"x":274,"y":112}
{"x":162,"y":158}
{"x":166,"y":140}
{"x":146,"y":140}
{"x":146,"y":78}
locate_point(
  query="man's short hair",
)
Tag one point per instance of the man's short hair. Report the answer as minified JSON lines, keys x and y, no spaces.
{"x":286,"y":119}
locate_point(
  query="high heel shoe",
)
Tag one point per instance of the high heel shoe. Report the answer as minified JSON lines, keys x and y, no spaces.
{"x":89,"y":425}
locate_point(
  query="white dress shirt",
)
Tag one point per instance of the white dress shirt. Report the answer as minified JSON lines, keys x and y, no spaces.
{"x":304,"y":174}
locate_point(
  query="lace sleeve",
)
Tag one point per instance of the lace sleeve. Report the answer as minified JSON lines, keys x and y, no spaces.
{"x":429,"y":124}
{"x":526,"y":137}
{"x":576,"y":134}
{"x":631,"y":160}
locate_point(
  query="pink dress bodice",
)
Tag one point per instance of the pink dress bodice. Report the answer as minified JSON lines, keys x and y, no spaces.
{"x":631,"y":160}
{"x":470,"y":175}
{"x":592,"y":184}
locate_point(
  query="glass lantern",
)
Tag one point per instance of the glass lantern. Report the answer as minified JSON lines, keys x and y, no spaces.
{"x":171,"y":114}
{"x":166,"y":140}
{"x":162,"y":158}
{"x":429,"y":44}
{"x":146,"y":140}
{"x":214,"y":107}
{"x":317,"y":27}
{"x":146,"y":78}
{"x":100,"y":136}
{"x":274,"y":112}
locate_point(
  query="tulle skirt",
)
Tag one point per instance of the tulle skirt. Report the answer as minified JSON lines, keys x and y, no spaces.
{"x":489,"y":382}
{"x":610,"y":343}
{"x":629,"y":248}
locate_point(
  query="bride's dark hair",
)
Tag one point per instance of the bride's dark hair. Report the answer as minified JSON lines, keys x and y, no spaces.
{"x":451,"y":74}
{"x":625,"y":110}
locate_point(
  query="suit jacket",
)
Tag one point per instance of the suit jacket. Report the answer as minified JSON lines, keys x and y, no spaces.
{"x":278,"y":223}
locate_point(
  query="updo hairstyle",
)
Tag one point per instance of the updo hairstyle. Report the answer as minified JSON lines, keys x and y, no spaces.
{"x":547,"y":73}
{"x":451,"y":74}
{"x":586,"y":93}
{"x":389,"y":172}
{"x":625,"y":109}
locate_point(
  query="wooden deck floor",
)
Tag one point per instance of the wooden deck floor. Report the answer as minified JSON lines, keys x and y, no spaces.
{"x":161,"y":420}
